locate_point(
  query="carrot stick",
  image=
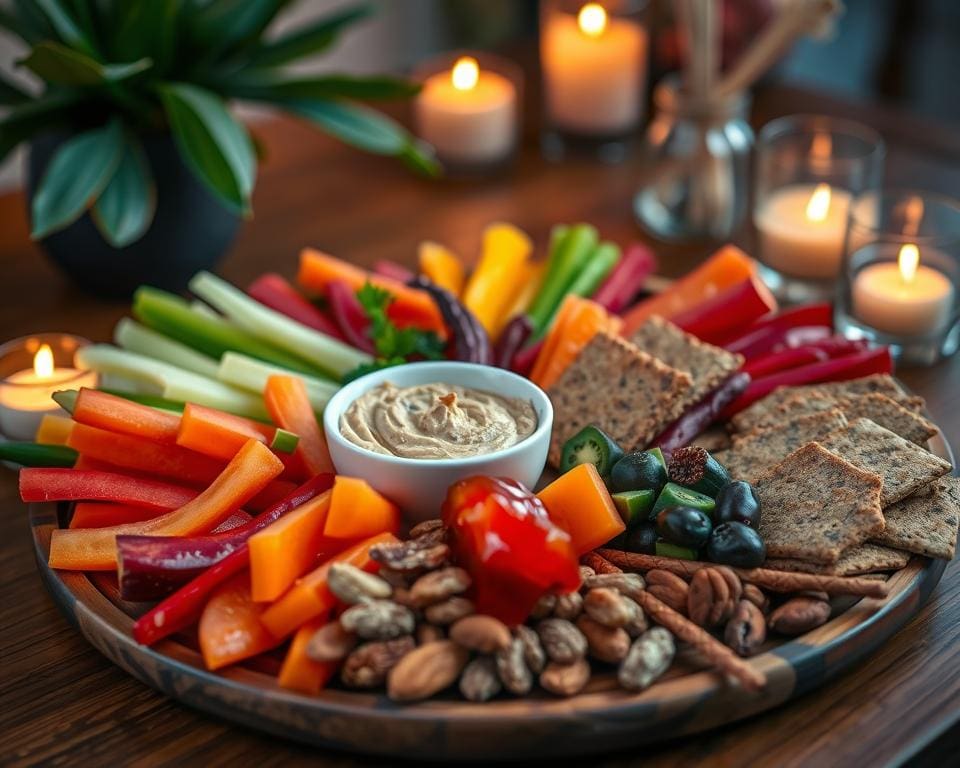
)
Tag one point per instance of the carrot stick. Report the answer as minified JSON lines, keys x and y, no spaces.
{"x":117,"y":414}
{"x":301,"y":673}
{"x":287,"y":402}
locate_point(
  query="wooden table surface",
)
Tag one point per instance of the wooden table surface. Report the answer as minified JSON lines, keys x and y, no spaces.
{"x":62,"y":703}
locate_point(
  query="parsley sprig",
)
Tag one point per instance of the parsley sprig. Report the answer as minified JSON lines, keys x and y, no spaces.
{"x":393,"y":345}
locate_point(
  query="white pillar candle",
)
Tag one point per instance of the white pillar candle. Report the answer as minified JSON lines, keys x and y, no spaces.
{"x":594,"y":71}
{"x":469,"y":115}
{"x":801,"y":230}
{"x":903,"y":298}
{"x":25,"y":396}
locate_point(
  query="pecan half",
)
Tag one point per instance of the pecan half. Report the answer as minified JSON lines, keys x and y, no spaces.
{"x":485,"y":634}
{"x":746,"y":630}
{"x":562,"y":641}
{"x":378,"y":620}
{"x":610,"y":608}
{"x":757,"y":596}
{"x":533,"y":653}
{"x":410,"y":555}
{"x":649,"y":657}
{"x":353,"y":585}
{"x":668,"y":588}
{"x":512,"y":669}
{"x":426,"y":526}
{"x":439,"y":585}
{"x":569,"y":605}
{"x":448,"y":611}
{"x":609,"y":644}
{"x":799,"y":615}
{"x":426,"y":670}
{"x":709,"y":602}
{"x":627,"y":584}
{"x":479,"y":681}
{"x":543,"y":607}
{"x":367,"y":665}
{"x":565,"y":679}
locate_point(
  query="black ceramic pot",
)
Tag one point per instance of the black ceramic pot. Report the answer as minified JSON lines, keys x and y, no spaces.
{"x":191,"y":230}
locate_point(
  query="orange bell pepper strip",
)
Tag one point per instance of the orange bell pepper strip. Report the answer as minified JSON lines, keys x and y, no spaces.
{"x":310,"y":596}
{"x":499,"y":276}
{"x":410,"y":307}
{"x":117,"y":414}
{"x":218,"y":434}
{"x":301,"y":673}
{"x":286,"y":549}
{"x":288,"y":405}
{"x":95,"y":549}
{"x":586,"y":320}
{"x":229,"y":629}
{"x":358,"y":511}
{"x":54,"y":430}
{"x":727,"y":267}
{"x":441,"y":266}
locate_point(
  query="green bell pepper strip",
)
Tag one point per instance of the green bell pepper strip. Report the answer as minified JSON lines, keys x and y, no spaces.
{"x":38,"y":454}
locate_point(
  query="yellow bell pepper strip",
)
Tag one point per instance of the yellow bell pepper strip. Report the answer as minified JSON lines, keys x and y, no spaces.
{"x":54,"y":430}
{"x":95,"y":549}
{"x":442,"y":266}
{"x":532,"y":280}
{"x":499,"y":275}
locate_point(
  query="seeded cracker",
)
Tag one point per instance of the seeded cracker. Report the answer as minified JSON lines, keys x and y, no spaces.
{"x":856,"y":561}
{"x":904,"y":466}
{"x":625,"y":392}
{"x":925,"y":525}
{"x":707,"y":365}
{"x":891,"y":415}
{"x":755,"y":451}
{"x":816,"y":505}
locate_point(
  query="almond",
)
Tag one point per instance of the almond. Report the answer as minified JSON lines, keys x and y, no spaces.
{"x":485,"y":634}
{"x":426,"y":670}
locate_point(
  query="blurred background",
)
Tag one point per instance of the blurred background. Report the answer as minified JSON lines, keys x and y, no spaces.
{"x":901,"y":52}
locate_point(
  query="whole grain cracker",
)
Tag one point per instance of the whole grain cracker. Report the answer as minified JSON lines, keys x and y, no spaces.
{"x":707,"y":365}
{"x":904,"y":466}
{"x":889,"y":414}
{"x":627,"y":393}
{"x":816,"y":505}
{"x":856,"y":561}
{"x":925,"y":525}
{"x":750,"y":454}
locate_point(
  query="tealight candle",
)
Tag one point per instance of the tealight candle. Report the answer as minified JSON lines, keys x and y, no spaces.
{"x":26,"y":395}
{"x":594,"y":70}
{"x":468,"y":114}
{"x":903,"y":298}
{"x":801,"y":229}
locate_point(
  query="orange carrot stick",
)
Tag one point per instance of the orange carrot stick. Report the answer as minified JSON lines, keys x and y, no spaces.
{"x":117,"y":414}
{"x":301,"y":673}
{"x":230,"y":628}
{"x":287,"y":402}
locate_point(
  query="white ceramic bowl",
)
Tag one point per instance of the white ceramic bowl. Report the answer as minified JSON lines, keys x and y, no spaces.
{"x":419,"y":486}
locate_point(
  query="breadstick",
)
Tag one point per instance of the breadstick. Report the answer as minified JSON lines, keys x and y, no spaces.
{"x":598,"y":563}
{"x":775,"y":581}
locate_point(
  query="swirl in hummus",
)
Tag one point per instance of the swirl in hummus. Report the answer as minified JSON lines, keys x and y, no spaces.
{"x":436,"y":421}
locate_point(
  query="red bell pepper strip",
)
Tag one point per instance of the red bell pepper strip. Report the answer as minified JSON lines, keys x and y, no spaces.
{"x":702,"y":415}
{"x":517,"y":332}
{"x":525,"y":359}
{"x":626,"y":280}
{"x":117,"y":414}
{"x":350,"y":316}
{"x":790,"y":328}
{"x":49,"y":484}
{"x":852,"y":366}
{"x":784,"y":360}
{"x":274,"y":291}
{"x":393,"y":271}
{"x":150,"y":567}
{"x":95,"y":549}
{"x":287,"y":402}
{"x":732,"y":309}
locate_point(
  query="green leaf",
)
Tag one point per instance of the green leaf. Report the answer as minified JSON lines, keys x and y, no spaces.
{"x":280,"y":87}
{"x":58,"y":64}
{"x":75,"y":177}
{"x":27,"y":120}
{"x":222,"y":25}
{"x":147,"y":28}
{"x":66,"y":26}
{"x":125,"y":208}
{"x":307,"y":40}
{"x":215,"y":146}
{"x":11,"y":93}
{"x":31,"y":23}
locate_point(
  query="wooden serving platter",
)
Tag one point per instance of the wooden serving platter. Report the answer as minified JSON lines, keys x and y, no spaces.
{"x":689,"y":699}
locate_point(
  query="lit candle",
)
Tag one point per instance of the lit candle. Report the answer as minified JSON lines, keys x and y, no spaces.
{"x":801,"y":229}
{"x":469,"y":115}
{"x":25,"y":396}
{"x":903,"y":298}
{"x":594,"y":71}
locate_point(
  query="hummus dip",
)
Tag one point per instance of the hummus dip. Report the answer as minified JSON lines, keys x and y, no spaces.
{"x":436,"y":421}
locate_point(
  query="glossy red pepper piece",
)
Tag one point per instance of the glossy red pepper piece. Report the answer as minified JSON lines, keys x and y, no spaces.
{"x":504,"y":537}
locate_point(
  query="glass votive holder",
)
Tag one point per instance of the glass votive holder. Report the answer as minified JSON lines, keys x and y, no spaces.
{"x":593,"y":58}
{"x":901,"y":273}
{"x":32,"y":368}
{"x":469,"y":110}
{"x":808,"y":169}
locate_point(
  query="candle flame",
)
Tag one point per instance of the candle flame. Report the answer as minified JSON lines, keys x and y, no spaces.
{"x":43,"y":362}
{"x":592,"y":19}
{"x":465,"y":74}
{"x":821,"y":147}
{"x":908,"y":260}
{"x":819,"y":203}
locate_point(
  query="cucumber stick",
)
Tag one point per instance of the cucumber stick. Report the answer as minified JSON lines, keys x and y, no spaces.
{"x":174,"y":317}
{"x":323,"y":351}
{"x":599,"y":264}
{"x":251,"y":375}
{"x":130,"y":335}
{"x":568,"y":256}
{"x":171,"y":382}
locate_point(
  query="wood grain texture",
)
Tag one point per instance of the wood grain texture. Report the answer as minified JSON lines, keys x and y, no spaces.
{"x":61,"y":702}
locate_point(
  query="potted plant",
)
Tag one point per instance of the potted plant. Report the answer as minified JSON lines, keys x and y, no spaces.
{"x":137,"y":170}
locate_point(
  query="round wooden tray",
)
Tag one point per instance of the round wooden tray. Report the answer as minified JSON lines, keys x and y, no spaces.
{"x":689,"y":699}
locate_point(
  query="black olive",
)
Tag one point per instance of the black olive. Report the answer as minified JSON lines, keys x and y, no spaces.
{"x":638,"y":471}
{"x":641,"y":539}
{"x":736,"y":544}
{"x":738,"y":502}
{"x":685,"y":526}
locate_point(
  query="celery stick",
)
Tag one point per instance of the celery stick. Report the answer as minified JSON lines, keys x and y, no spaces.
{"x":252,"y":316}
{"x":599,"y":264}
{"x":129,"y":334}
{"x":202,"y":308}
{"x":67,"y":399}
{"x":566,"y":260}
{"x":170,"y":382}
{"x":252,"y":375}
{"x":173,"y":317}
